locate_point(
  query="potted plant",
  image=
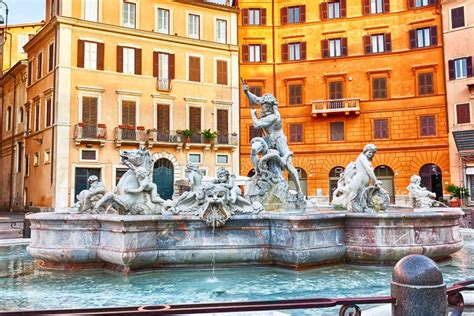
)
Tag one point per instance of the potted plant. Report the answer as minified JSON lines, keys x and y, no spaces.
{"x":208,"y":135}
{"x":457,"y":194}
{"x":186,"y":134}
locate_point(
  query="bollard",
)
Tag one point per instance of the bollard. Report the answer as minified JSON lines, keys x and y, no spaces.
{"x":26,"y":227}
{"x":418,"y":287}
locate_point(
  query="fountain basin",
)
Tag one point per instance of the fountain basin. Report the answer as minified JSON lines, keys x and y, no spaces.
{"x":297,"y":241}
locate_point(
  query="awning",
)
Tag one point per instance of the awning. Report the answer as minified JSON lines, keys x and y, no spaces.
{"x":464,"y":140}
{"x":470,"y":171}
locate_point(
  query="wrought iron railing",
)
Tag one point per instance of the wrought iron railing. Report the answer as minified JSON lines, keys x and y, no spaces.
{"x":349,"y":306}
{"x":130,"y":133}
{"x":84,"y":131}
{"x":335,"y":105}
{"x":165,"y":137}
{"x":164,"y":84}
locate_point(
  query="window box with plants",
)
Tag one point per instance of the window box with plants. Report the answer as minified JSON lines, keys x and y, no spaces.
{"x":458,"y":195}
{"x":186,"y":135}
{"x":208,"y":136}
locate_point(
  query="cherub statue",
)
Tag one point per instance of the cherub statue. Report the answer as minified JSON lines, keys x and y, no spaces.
{"x":226,"y":181}
{"x":189,"y":198}
{"x":420,"y":197}
{"x":353,"y":190}
{"x":88,"y":198}
{"x":145,"y":183}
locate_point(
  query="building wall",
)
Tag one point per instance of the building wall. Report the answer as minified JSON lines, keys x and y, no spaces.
{"x":69,"y":82}
{"x":12,"y":50}
{"x":458,"y":44}
{"x":405,"y":151}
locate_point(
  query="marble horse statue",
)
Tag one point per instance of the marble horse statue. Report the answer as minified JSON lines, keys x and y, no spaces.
{"x":271,"y":156}
{"x":135,"y":193}
{"x":354,"y":191}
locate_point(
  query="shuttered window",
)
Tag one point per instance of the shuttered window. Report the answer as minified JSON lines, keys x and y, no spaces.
{"x":380,"y":128}
{"x":50,"y":57}
{"x":335,"y":90}
{"x":457,"y":17}
{"x":194,"y":68}
{"x":163,"y":118}
{"x":463,"y":113}
{"x":337,"y":131}
{"x":295,"y":91}
{"x":332,"y":9}
{"x":254,"y":53}
{"x":129,"y":113}
{"x":424,"y":37}
{"x":254,"y":16}
{"x":37,"y":117}
{"x":90,"y":55}
{"x":129,"y":60}
{"x":379,"y":88}
{"x":420,"y":3}
{"x":296,"y":14}
{"x":296,"y":133}
{"x":334,"y":47}
{"x":39,"y":66}
{"x":48,"y":113}
{"x":254,"y":132}
{"x":221,"y":66}
{"x":89,"y":111}
{"x":425,"y":83}
{"x":30,"y":72}
{"x":376,"y":6}
{"x":377,"y":43}
{"x":223,"y":126}
{"x":427,"y":125}
{"x":195,"y":119}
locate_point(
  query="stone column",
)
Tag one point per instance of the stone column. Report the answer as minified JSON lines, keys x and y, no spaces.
{"x":418,"y":286}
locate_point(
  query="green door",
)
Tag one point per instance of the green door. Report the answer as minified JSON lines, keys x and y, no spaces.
{"x":163,"y":177}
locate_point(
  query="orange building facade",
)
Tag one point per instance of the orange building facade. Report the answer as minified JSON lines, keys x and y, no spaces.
{"x":348,"y":73}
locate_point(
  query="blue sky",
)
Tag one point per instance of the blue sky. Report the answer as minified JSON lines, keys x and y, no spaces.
{"x":24,"y":11}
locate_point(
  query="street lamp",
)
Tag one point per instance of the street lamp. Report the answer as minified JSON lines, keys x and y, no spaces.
{"x":4,"y":21}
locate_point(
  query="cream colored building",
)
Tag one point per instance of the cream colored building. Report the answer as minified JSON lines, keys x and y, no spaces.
{"x":106,"y":76}
{"x":458,"y":35}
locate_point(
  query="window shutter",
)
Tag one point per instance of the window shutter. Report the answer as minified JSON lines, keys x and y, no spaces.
{"x":80,"y":54}
{"x":128,"y":113}
{"x":303,"y":50}
{"x":223,"y":122}
{"x":429,"y":83}
{"x":221,"y":68}
{"x":421,"y":84}
{"x":89,"y":111}
{"x":245,"y":16}
{"x":367,"y":44}
{"x":155,"y":64}
{"x":388,"y":42}
{"x":284,"y":15}
{"x":284,"y":52}
{"x":411,"y":4}
{"x":325,"y":48}
{"x":386,"y":5}
{"x":343,"y":8}
{"x":263,"y":16}
{"x":119,"y":59}
{"x":263,"y":49}
{"x":469,"y":66}
{"x":366,"y":7}
{"x":302,"y":13}
{"x":463,"y":113}
{"x":323,"y":11}
{"x":344,"y":46}
{"x":163,"y":119}
{"x":171,"y":66}
{"x":245,"y":53}
{"x":138,"y":61}
{"x":452,"y":70}
{"x":195,"y":119}
{"x":434,"y":35}
{"x":412,"y":38}
{"x":100,"y":56}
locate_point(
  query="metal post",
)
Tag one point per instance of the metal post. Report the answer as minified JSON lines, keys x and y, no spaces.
{"x":418,"y":287}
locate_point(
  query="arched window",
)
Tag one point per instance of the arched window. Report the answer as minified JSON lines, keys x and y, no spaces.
{"x":386,"y":175}
{"x":432,"y":179}
{"x":334,"y":176}
{"x":8,"y":118}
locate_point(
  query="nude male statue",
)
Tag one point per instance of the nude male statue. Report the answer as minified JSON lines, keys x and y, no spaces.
{"x":270,"y":122}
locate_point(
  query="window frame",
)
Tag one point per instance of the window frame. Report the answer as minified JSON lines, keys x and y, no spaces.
{"x":294,"y":12}
{"x":188,"y":24}
{"x":87,"y":59}
{"x":374,"y":134}
{"x":451,"y":17}
{"x":343,"y":131}
{"x":372,"y":94}
{"x":169,"y":25}
{"x":217,"y":38}
{"x":216,"y":63}
{"x":128,"y":98}
{"x":462,"y":60}
{"x":331,"y":48}
{"x":97,"y":17}
{"x":456,"y":113}
{"x":424,"y":72}
{"x":127,"y":23}
{"x":127,"y":65}
{"x":39,"y":65}
{"x":334,"y":8}
{"x":222,"y":163}
{"x":297,"y":139}
{"x":197,"y":155}
{"x":51,"y":57}
{"x":251,"y":11}
{"x":420,"y":133}
{"x":377,"y":43}
{"x":188,"y":65}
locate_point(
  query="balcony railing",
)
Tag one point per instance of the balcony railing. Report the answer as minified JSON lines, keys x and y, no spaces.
{"x":163,"y":84}
{"x":129,"y":134}
{"x":163,"y":136}
{"x":345,"y":106}
{"x":232,"y":140}
{"x":87,"y":133}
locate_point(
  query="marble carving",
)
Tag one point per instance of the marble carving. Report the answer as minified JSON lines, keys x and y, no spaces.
{"x":271,"y":156}
{"x":354,"y":191}
{"x":420,"y":197}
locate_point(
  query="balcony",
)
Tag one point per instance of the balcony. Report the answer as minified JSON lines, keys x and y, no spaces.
{"x":163,"y":84}
{"x":129,"y":135}
{"x":160,"y":138}
{"x":227,"y":141}
{"x":337,"y":106}
{"x":90,"y":134}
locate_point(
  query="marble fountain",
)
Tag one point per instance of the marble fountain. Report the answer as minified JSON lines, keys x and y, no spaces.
{"x":132,"y":228}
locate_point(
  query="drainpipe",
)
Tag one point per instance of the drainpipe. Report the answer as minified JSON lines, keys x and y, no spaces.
{"x":273,"y":48}
{"x":12,"y":163}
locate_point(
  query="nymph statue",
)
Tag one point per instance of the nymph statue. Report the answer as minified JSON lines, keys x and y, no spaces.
{"x":270,"y":156}
{"x":354,"y":191}
{"x":193,"y":197}
{"x":87,"y":199}
{"x":420,"y":197}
